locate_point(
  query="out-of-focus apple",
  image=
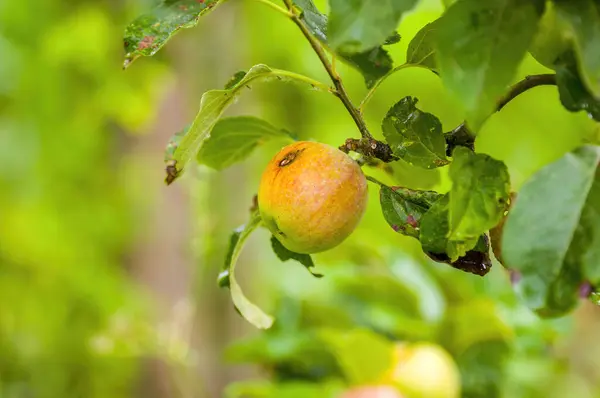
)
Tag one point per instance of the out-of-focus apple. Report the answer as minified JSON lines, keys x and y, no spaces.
{"x":424,"y":370}
{"x":379,"y":391}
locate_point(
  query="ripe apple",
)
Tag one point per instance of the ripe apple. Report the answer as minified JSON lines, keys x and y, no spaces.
{"x":312,"y":196}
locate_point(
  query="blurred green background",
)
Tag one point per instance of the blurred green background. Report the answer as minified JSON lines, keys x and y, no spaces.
{"x":108,"y":277}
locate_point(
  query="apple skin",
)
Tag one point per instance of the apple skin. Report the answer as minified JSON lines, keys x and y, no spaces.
{"x":379,"y":391}
{"x":425,"y":370}
{"x":312,"y":196}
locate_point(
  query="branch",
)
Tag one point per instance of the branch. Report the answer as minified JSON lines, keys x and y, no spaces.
{"x":529,"y":82}
{"x":370,"y":148}
{"x":462,"y":136}
{"x":340,"y":90}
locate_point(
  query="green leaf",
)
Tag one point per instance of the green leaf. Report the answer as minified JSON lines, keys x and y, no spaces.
{"x":284,"y":255}
{"x":552,"y":233}
{"x":149,"y":32}
{"x":212,"y":106}
{"x":421,"y":49}
{"x":373,"y":63}
{"x":471,"y":255}
{"x":364,"y":356}
{"x":479,"y":196}
{"x":480,"y":45}
{"x":481,"y":342}
{"x":247,"y":309}
{"x":359,"y":25}
{"x":552,"y":38}
{"x":583,"y":20}
{"x":482,"y":369}
{"x":574,"y":95}
{"x":403,"y":208}
{"x":415,"y":136}
{"x":233,"y":139}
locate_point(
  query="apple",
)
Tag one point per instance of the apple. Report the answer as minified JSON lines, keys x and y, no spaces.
{"x":312,"y":196}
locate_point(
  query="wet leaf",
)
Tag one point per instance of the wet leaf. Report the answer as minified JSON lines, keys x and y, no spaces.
{"x":372,"y":63}
{"x":284,"y":255}
{"x":359,"y":25}
{"x":552,"y":233}
{"x":480,"y":45}
{"x":574,"y":95}
{"x":582,"y":18}
{"x":479,"y":196}
{"x":149,"y":32}
{"x":233,"y":139}
{"x":414,"y":135}
{"x":403,"y":208}
{"x":471,"y":255}
{"x":212,"y":105}
{"x":247,"y":309}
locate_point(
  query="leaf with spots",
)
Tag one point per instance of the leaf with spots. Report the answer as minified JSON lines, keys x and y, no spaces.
{"x":470,"y":256}
{"x":479,"y":46}
{"x":247,"y":309}
{"x":414,"y":135}
{"x":372,"y":63}
{"x":479,"y":196}
{"x":233,"y":139}
{"x":284,"y":255}
{"x":212,"y":106}
{"x":149,"y":32}
{"x":403,"y":208}
{"x":552,"y":233}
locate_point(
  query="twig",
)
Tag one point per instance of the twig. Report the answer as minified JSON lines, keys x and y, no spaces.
{"x":370,"y":148}
{"x":529,"y":82}
{"x":340,"y":90}
{"x":462,"y":136}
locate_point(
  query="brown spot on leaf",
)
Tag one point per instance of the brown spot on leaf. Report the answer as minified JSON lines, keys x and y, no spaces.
{"x":172,"y":172}
{"x":412,"y":221}
{"x":146,"y":42}
{"x":183,"y":7}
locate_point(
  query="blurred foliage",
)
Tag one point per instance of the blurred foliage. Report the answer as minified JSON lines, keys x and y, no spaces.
{"x":69,"y":316}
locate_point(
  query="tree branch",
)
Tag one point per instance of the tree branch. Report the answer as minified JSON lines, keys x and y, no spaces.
{"x":462,"y":136}
{"x":340,"y":90}
{"x":528,"y":83}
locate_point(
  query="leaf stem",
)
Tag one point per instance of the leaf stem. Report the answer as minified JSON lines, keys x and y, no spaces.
{"x":375,"y":181}
{"x":275,"y":7}
{"x":370,"y":93}
{"x":340,"y":90}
